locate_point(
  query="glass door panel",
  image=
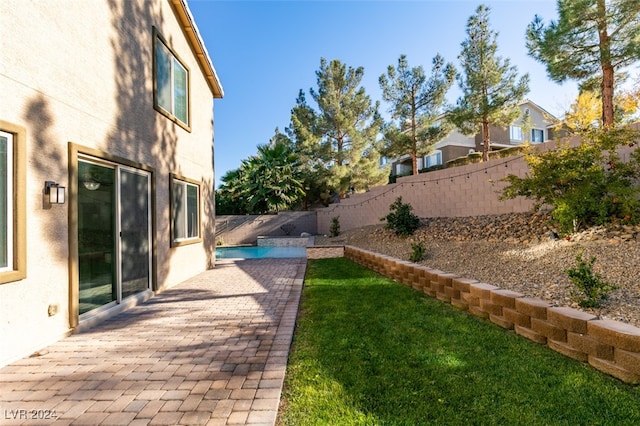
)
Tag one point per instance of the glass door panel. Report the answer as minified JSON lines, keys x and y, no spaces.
{"x":96,"y":235}
{"x":134,"y":231}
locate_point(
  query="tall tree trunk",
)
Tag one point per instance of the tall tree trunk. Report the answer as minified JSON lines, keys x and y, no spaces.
{"x":485,"y":140}
{"x":607,"y":68}
{"x":414,"y":137}
{"x":607,"y":95}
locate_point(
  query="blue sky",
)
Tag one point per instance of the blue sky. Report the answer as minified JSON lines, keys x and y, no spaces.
{"x":266,"y":51}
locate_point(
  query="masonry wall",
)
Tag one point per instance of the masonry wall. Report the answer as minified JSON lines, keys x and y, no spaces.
{"x":471,"y":190}
{"x":245,"y":229}
{"x":610,"y":346}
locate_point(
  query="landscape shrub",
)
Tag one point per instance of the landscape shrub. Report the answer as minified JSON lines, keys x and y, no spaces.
{"x":417,"y":251}
{"x":586,"y":185}
{"x":334,"y":230}
{"x":400,"y":218}
{"x":593,"y":289}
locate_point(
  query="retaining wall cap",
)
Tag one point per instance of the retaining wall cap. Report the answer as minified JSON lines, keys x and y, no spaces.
{"x":466,"y":280}
{"x":508,"y":293}
{"x":485,"y":286}
{"x":572,"y":313}
{"x":617,"y":334}
{"x":534,"y":302}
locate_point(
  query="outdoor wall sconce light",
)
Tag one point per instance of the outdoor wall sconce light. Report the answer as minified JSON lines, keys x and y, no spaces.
{"x":55,"y":192}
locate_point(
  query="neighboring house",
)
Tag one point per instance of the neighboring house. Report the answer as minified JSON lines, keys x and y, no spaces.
{"x":106,"y":158}
{"x":537,"y":129}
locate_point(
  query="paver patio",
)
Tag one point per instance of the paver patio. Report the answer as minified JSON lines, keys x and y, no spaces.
{"x":212,"y":350}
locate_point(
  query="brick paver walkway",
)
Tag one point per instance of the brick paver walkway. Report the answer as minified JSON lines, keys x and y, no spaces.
{"x":212,"y":350}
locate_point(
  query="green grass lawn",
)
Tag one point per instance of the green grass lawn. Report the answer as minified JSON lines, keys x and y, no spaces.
{"x":370,"y":351}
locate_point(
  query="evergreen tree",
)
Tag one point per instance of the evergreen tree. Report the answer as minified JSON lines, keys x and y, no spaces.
{"x":343,"y":131}
{"x":591,"y":41}
{"x":491,"y":90}
{"x":306,"y":144}
{"x":416,"y":104}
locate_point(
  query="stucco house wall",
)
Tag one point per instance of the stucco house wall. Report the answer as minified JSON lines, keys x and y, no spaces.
{"x":77,"y":79}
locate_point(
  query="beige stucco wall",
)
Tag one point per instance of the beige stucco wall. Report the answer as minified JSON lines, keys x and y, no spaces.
{"x":81,"y":72}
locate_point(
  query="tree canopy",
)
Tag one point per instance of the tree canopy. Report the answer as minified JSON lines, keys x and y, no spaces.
{"x":591,"y":41}
{"x":491,"y":89}
{"x":343,"y":131}
{"x":265,"y":183}
{"x":416,"y":103}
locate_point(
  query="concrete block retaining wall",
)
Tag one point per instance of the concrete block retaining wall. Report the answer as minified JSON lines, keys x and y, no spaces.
{"x":324,"y":252}
{"x":610,"y":346}
{"x":470,"y":190}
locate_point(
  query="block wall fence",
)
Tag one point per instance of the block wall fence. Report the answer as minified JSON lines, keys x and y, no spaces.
{"x":471,"y":190}
{"x":610,"y":346}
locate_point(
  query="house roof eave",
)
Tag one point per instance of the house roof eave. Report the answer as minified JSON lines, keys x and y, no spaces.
{"x":197,"y":44}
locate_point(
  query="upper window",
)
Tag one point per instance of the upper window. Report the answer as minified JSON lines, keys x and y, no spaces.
{"x":515,"y":133}
{"x":537,"y":135}
{"x":12,"y":203}
{"x":434,"y":159}
{"x":171,"y":95}
{"x":185,"y":210}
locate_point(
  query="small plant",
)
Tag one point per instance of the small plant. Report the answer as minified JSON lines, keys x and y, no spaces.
{"x":220,"y":242}
{"x":334,"y":230}
{"x":592,"y":287}
{"x":417,"y":251}
{"x":400,"y":219}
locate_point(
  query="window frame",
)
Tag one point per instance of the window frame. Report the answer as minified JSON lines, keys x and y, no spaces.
{"x":517,"y":129}
{"x":175,"y":241}
{"x":533,"y":132}
{"x":17,"y":199}
{"x":435,"y":156}
{"x":159,"y":40}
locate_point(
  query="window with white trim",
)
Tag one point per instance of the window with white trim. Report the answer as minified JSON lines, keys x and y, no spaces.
{"x":434,"y":159}
{"x":515,"y":133}
{"x":171,"y":96}
{"x":185,"y":210}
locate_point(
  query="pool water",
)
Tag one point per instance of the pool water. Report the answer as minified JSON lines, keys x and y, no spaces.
{"x":255,"y":252}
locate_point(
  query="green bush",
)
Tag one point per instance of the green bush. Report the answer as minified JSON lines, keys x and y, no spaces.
{"x":417,"y":251}
{"x":400,"y":219}
{"x":586,"y":185}
{"x":334,"y":230}
{"x":593,"y":289}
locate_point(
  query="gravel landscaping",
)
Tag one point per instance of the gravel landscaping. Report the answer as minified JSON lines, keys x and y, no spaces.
{"x":520,"y":252}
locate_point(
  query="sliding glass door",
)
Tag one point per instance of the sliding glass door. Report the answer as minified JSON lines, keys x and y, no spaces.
{"x":114,"y":233}
{"x":134,"y":231}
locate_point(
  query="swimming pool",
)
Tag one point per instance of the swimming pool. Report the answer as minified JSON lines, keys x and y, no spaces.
{"x":254,"y":252}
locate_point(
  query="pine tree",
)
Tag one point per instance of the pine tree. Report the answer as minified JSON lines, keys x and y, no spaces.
{"x":591,"y":42}
{"x":303,"y":133}
{"x":343,"y":131}
{"x":416,"y":104}
{"x":491,"y":90}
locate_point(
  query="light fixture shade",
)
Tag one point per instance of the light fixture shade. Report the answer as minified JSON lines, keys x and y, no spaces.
{"x":61,"y":193}
{"x":91,"y":185}
{"x":55,"y":192}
